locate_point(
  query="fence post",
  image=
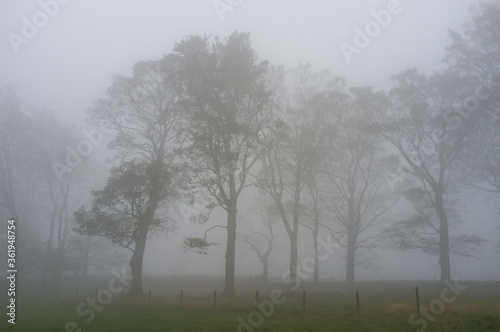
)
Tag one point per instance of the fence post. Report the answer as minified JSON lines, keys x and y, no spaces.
{"x":304,"y":299}
{"x":121,"y":298}
{"x":215,"y":298}
{"x":149,"y":295}
{"x":77,"y":295}
{"x":180,"y":301}
{"x":257,"y":295}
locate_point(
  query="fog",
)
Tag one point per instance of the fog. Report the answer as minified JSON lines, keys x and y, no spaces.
{"x":72,"y":59}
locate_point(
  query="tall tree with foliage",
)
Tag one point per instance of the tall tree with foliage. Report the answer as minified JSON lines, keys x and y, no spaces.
{"x":143,"y":114}
{"x":227,"y":94}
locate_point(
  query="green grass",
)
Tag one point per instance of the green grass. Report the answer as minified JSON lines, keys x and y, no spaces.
{"x":331,"y":311}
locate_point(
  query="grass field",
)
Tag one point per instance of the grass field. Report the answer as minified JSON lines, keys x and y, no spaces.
{"x":384,"y":306}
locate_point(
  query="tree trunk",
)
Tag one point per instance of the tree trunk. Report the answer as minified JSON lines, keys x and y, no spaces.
{"x":144,"y":224}
{"x":349,"y":278}
{"x":295,"y":232}
{"x":85,"y":261}
{"x":290,"y":232}
{"x":265,"y":268}
{"x":293,"y":256}
{"x":59,"y":254}
{"x":316,"y":252}
{"x":48,"y":251}
{"x":136,"y":263}
{"x":229,"y":287}
{"x":351,"y":255}
{"x":444,"y":240}
{"x":351,"y":239}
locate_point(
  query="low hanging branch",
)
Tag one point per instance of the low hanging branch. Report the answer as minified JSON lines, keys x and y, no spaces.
{"x":199,"y":245}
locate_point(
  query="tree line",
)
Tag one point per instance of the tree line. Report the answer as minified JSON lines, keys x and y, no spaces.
{"x":213,"y":120}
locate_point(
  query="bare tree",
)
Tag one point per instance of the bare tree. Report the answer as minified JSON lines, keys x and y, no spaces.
{"x":428,"y":143}
{"x":52,"y":140}
{"x":91,"y":254}
{"x":302,"y":129}
{"x":312,"y":209}
{"x":475,"y":51}
{"x":20,"y":176}
{"x":356,"y":190}
{"x":421,"y":230}
{"x":481,"y":161}
{"x":260,"y":239}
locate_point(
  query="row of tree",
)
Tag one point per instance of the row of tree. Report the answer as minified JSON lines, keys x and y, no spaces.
{"x":211,"y":118}
{"x":31,"y":190}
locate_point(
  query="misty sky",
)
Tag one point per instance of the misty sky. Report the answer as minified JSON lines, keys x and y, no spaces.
{"x":71,"y":61}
